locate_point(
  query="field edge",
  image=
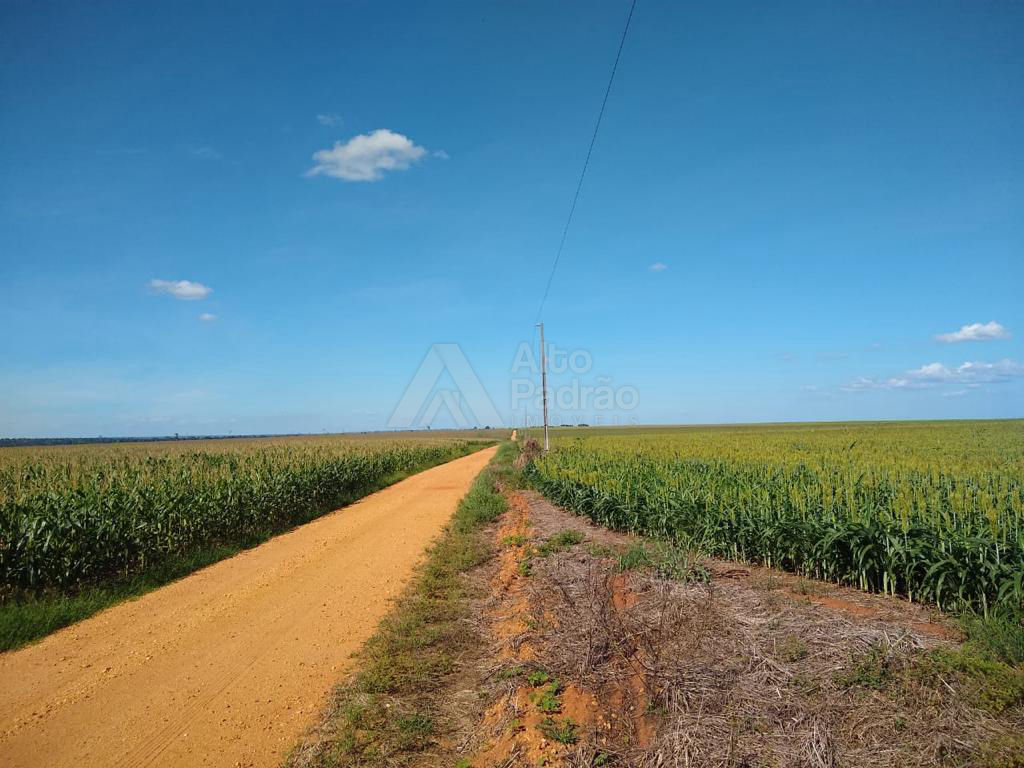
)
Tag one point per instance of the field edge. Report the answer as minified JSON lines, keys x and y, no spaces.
{"x":28,"y":618}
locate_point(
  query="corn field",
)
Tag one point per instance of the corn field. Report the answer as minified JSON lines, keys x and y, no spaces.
{"x":77,"y":515}
{"x":932,"y":511}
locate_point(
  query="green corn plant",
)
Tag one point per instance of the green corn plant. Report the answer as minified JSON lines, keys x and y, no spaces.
{"x":81,"y":515}
{"x":932,"y":511}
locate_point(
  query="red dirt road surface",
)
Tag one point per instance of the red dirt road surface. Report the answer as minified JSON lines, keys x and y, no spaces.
{"x":228,"y":666}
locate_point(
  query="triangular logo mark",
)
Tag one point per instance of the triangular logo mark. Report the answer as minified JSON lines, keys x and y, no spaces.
{"x":418,"y":408}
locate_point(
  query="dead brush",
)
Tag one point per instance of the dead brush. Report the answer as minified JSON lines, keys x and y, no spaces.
{"x":531,"y":450}
{"x":709,"y":673}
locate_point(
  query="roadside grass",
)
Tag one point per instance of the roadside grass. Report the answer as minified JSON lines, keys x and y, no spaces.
{"x":988,"y":667}
{"x":999,"y":635}
{"x":27,"y":617}
{"x":923,"y":680}
{"x":989,"y":684}
{"x":386,"y":713}
{"x":558,"y":542}
{"x":555,"y":543}
{"x":665,"y":560}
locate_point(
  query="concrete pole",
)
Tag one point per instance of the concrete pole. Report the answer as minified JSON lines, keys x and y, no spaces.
{"x":544,"y":385}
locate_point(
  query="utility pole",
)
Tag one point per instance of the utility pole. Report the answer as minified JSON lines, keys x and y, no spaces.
{"x":544,"y":385}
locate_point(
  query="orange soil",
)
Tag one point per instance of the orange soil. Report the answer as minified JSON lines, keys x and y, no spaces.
{"x":630,"y":696}
{"x":230,"y":665}
{"x":511,"y":623}
{"x":512,"y":722}
{"x":520,"y":733}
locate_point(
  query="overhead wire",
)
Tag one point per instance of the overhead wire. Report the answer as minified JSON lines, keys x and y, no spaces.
{"x":586,"y":163}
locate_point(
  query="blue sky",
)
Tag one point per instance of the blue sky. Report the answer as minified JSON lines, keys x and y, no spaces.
{"x":827,"y":187}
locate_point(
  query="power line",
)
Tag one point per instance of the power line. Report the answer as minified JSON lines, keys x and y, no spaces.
{"x":583,"y":173}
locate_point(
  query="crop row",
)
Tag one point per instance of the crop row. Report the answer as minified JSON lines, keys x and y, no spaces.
{"x":69,"y":521}
{"x":921,"y":523}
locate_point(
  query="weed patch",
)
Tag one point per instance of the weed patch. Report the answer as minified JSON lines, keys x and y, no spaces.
{"x":562,"y":730}
{"x":558,"y":542}
{"x":988,"y":683}
{"x":874,"y":669}
{"x":664,"y":560}
{"x":547,"y":698}
{"x":999,"y":635}
{"x":538,"y":678}
{"x":791,"y":648}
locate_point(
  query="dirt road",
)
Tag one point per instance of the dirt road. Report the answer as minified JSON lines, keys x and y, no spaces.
{"x":228,"y":666}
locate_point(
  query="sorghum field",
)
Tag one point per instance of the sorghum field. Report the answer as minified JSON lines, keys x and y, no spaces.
{"x":79,"y":515}
{"x":930,"y":510}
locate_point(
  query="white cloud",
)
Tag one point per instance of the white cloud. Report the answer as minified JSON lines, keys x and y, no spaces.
{"x":976,"y":332}
{"x":186,"y":290}
{"x":330,"y":120}
{"x":206,"y":317}
{"x":861,"y":383}
{"x":990,"y":372}
{"x":898,"y":382}
{"x":658,"y":267}
{"x":366,"y":157}
{"x":931,"y":372}
{"x":969,"y":374}
{"x":440,"y":154}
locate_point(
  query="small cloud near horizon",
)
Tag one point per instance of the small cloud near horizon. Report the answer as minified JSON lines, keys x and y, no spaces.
{"x":975,"y":332}
{"x":207,"y":317}
{"x":970,"y":374}
{"x":367,"y":157}
{"x":185,"y":290}
{"x":658,"y":267}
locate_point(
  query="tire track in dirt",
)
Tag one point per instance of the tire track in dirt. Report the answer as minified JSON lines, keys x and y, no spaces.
{"x":230,"y":665}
